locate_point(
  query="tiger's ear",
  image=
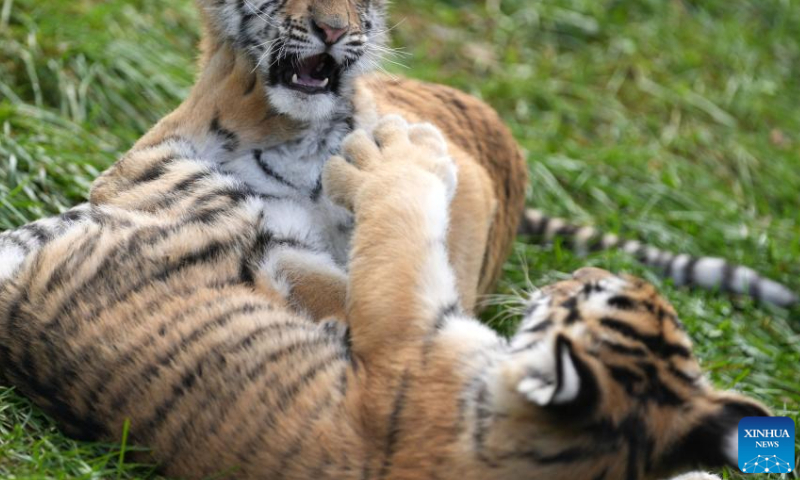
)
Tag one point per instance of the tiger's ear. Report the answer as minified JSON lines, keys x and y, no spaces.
{"x":713,"y":440}
{"x":573,"y":386}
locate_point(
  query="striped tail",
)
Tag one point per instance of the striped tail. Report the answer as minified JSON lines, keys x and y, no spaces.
{"x":17,"y":245}
{"x":704,"y":272}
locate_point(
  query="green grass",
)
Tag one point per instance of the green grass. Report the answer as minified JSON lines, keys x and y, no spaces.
{"x":674,"y":121}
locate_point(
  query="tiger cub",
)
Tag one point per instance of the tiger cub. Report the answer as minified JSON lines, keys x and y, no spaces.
{"x":309,"y":65}
{"x":281,"y":83}
{"x":314,"y":57}
{"x":146,"y":318}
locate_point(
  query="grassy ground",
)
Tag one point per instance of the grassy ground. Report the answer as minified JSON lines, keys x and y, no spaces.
{"x":668,"y":120}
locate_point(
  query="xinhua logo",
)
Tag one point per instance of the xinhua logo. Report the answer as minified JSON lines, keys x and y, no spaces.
{"x":766,"y":445}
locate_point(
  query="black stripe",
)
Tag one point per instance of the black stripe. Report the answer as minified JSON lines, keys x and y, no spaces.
{"x":157,"y":170}
{"x":48,"y":396}
{"x":77,"y":256}
{"x":268,"y":171}
{"x":163,"y":361}
{"x":393,"y":429}
{"x":647,"y":387}
{"x":189,"y":182}
{"x":483,"y":415}
{"x":13,"y":319}
{"x":253,"y":256}
{"x":590,"y":288}
{"x":124,"y":359}
{"x":688,"y":271}
{"x":539,"y":228}
{"x":682,"y":376}
{"x":657,"y":390}
{"x":111,"y":221}
{"x":73,"y":215}
{"x":625,"y":350}
{"x":655,"y":343}
{"x":288,"y":394}
{"x":215,"y":359}
{"x":728,"y":270}
{"x":187,"y":380}
{"x":633,"y":430}
{"x":37,"y":231}
{"x":234,"y":194}
{"x":626,"y":377}
{"x":595,"y":242}
{"x":292,"y":243}
{"x":567,"y":231}
{"x":125,"y":250}
{"x":305,"y":376}
{"x":348,"y":345}
{"x":642,"y":256}
{"x":574,"y":315}
{"x":230,"y":139}
{"x":316,"y":193}
{"x":539,"y":327}
{"x":210,"y":216}
{"x":179,"y":191}
{"x":233,"y":391}
{"x":10,"y":237}
{"x":297,"y":443}
{"x":754,"y":289}
{"x":623,"y":302}
{"x":444,"y":313}
{"x":54,"y":326}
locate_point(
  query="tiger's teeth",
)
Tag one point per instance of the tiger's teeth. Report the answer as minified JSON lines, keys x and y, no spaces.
{"x":325,"y":83}
{"x":294,"y":78}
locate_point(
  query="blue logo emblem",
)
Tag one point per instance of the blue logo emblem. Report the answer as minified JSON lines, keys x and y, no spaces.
{"x":766,"y":445}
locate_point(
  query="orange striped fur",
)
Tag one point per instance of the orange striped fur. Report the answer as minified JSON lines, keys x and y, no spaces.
{"x":258,"y":311}
{"x":134,"y":316}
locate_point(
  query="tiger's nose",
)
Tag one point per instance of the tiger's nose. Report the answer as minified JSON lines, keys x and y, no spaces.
{"x":328,"y":33}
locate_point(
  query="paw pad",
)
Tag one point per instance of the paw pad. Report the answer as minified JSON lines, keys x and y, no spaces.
{"x":396,"y":149}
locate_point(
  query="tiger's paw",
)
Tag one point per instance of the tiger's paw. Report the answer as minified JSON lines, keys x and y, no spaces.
{"x":398,"y":157}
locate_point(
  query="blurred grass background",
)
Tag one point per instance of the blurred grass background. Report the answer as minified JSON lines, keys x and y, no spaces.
{"x":674,"y":121}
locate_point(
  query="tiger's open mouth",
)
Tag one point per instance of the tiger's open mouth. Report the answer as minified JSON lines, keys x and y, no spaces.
{"x":311,"y":75}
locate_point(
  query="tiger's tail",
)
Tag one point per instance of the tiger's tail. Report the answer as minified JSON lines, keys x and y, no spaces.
{"x":704,"y":272}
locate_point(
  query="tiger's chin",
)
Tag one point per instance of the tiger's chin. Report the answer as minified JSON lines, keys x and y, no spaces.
{"x":303,"y":106}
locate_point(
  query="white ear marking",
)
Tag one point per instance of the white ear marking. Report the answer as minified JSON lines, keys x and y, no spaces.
{"x":570,"y":382}
{"x":561,"y":384}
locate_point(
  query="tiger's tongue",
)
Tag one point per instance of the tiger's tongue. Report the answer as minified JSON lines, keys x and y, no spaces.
{"x":306,"y":73}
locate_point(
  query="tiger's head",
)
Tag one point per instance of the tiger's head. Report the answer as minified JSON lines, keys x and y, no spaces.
{"x":615,"y":366}
{"x":308,"y":51}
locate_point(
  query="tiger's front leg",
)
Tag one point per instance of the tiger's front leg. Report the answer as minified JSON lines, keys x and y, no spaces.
{"x":400,"y":281}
